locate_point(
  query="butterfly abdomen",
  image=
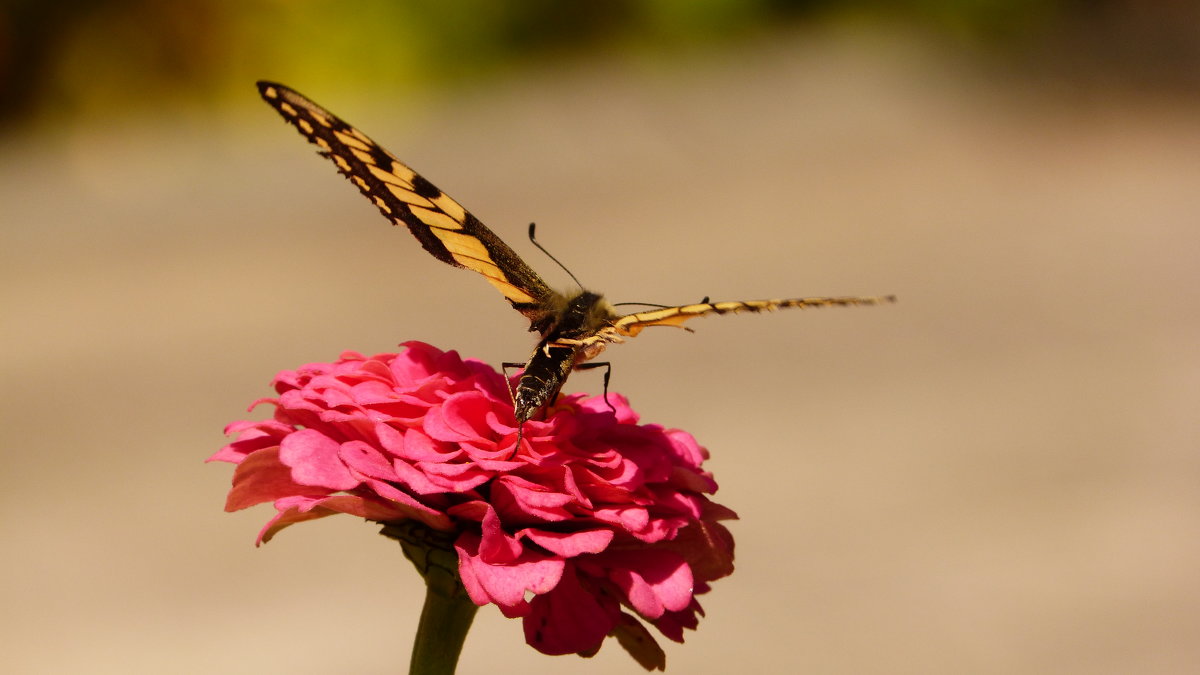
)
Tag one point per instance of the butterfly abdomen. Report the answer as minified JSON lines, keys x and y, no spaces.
{"x":544,"y":375}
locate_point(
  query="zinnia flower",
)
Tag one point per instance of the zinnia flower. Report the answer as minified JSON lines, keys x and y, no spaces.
{"x":592,"y":520}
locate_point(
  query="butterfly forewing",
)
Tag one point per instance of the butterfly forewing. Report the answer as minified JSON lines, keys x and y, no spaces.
{"x":442,"y":225}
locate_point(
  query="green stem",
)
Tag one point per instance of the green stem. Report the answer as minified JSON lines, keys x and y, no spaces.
{"x":448,"y":611}
{"x":445,"y":621}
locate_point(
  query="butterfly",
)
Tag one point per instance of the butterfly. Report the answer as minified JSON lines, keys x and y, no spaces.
{"x":575,"y":326}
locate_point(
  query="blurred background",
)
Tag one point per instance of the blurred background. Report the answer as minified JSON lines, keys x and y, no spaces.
{"x":998,"y":474}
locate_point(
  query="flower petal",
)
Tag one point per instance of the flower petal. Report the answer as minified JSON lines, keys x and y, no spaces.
{"x":313,"y":458}
{"x":362,"y":458}
{"x":569,"y":619}
{"x":570,"y":544}
{"x":639,"y":643}
{"x":653,"y":581}
{"x":505,"y":585}
{"x":262,"y":478}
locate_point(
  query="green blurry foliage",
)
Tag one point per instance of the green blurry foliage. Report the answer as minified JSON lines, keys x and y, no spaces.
{"x":69,"y":58}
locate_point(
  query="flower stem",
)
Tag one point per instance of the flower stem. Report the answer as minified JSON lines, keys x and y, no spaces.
{"x":445,"y":620}
{"x":448,"y":611}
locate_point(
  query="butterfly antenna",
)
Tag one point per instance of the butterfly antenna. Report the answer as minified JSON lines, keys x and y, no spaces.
{"x":640,"y":304}
{"x":654,"y":304}
{"x":541,"y":248}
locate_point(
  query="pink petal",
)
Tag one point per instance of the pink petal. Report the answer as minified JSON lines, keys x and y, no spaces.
{"x":402,"y":503}
{"x":672,"y":624}
{"x":461,"y":418}
{"x":707,"y":546}
{"x":262,"y":478}
{"x":368,"y":461}
{"x":416,"y":363}
{"x":248,"y":441}
{"x":419,"y":447}
{"x":570,"y":544}
{"x":496,"y":546}
{"x":639,"y":643}
{"x":633,"y":519}
{"x":523,"y":501}
{"x":455,"y":477}
{"x":505,"y":585}
{"x":654,"y":581}
{"x":299,"y":509}
{"x":569,"y":619}
{"x":314,"y":460}
{"x":415,"y":479}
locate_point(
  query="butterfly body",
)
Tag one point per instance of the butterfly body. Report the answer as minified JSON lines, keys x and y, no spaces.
{"x":566,"y":342}
{"x":573,"y":327}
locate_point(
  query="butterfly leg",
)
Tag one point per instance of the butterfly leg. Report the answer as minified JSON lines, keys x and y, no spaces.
{"x":607,"y":374}
{"x":512,"y":394}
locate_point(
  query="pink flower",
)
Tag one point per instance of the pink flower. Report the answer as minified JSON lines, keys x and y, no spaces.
{"x":594,"y":516}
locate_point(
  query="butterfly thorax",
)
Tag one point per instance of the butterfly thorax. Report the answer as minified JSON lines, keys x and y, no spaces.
{"x":569,"y":339}
{"x":578,"y":316}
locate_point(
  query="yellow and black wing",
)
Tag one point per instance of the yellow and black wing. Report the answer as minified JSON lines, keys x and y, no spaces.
{"x":444,"y":228}
{"x":632,"y":324}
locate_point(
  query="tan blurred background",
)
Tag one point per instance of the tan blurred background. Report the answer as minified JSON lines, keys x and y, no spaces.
{"x":996,"y":475}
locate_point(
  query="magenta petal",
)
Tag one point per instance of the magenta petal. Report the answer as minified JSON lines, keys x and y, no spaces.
{"x":262,"y":478}
{"x":249,"y":443}
{"x":672,"y":624}
{"x":507,"y":584}
{"x":456,"y":477}
{"x":419,"y":447}
{"x":366,"y":460}
{"x":496,"y":546}
{"x":409,"y":507}
{"x":570,"y":544}
{"x":640,"y":644}
{"x":294,"y":509}
{"x":461,"y":418}
{"x":653,"y":581}
{"x":313,"y":458}
{"x":523,"y":501}
{"x":569,"y":619}
{"x":298,"y":509}
{"x":415,"y":479}
{"x":475,"y":510}
{"x":416,"y":363}
{"x":634,"y":519}
{"x":391,"y":440}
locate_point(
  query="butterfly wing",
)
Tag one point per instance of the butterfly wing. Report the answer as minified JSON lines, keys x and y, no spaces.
{"x":632,"y":324}
{"x":444,"y":228}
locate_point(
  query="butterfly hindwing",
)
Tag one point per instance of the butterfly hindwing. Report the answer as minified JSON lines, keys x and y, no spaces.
{"x":632,"y":324}
{"x":445,"y":229}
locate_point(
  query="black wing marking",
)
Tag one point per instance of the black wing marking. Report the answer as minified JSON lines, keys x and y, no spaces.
{"x":444,"y":228}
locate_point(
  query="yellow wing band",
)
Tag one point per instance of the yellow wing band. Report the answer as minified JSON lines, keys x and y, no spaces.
{"x":444,"y":228}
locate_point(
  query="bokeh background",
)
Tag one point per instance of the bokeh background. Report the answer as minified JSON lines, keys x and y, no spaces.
{"x":998,"y":474}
